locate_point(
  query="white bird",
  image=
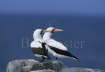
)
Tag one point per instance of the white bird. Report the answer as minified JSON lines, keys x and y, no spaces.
{"x":38,"y":45}
{"x":54,"y":47}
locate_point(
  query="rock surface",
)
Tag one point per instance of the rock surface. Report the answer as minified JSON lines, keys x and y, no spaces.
{"x":31,"y":65}
{"x":77,"y":69}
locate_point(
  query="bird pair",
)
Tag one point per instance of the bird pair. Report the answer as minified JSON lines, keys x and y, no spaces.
{"x":42,"y":46}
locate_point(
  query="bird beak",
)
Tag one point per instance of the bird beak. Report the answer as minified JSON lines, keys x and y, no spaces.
{"x":57,"y":30}
{"x":45,"y":31}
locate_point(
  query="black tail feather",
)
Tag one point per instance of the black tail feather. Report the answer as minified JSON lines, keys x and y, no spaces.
{"x":63,"y":52}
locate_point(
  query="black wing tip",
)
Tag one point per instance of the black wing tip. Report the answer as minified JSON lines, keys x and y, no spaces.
{"x":77,"y":59}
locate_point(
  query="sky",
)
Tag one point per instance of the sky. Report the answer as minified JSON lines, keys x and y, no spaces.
{"x":53,"y":6}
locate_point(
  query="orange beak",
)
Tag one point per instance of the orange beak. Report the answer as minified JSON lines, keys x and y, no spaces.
{"x":55,"y":30}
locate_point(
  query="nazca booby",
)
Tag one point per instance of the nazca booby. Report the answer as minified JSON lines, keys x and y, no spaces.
{"x":38,"y":45}
{"x":56,"y":48}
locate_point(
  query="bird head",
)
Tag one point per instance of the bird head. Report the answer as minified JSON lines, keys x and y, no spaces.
{"x":38,"y":31}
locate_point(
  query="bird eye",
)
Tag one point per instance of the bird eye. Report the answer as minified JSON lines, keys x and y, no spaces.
{"x":53,"y":30}
{"x":41,"y":32}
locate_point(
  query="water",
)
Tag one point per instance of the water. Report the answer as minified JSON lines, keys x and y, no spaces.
{"x":91,"y":29}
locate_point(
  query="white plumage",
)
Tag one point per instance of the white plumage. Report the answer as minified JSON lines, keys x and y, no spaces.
{"x":56,"y":44}
{"x":54,"y":47}
{"x":36,"y":44}
{"x":37,"y":39}
{"x":51,"y":42}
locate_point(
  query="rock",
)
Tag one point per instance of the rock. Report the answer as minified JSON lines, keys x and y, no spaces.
{"x":44,"y":70}
{"x":77,"y":69}
{"x":31,"y":65}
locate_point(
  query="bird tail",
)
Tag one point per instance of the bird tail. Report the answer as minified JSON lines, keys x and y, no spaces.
{"x":75,"y":58}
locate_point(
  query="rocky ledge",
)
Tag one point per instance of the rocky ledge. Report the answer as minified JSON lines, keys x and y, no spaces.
{"x":31,"y":65}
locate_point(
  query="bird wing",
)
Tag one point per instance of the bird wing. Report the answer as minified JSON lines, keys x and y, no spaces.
{"x":35,"y":44}
{"x":38,"y":48}
{"x":56,"y":44}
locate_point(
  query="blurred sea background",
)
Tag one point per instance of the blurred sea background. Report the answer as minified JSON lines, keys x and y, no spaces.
{"x":81,"y":20}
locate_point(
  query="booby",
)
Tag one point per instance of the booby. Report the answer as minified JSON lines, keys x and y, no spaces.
{"x":38,"y":45}
{"x":54,"y":47}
